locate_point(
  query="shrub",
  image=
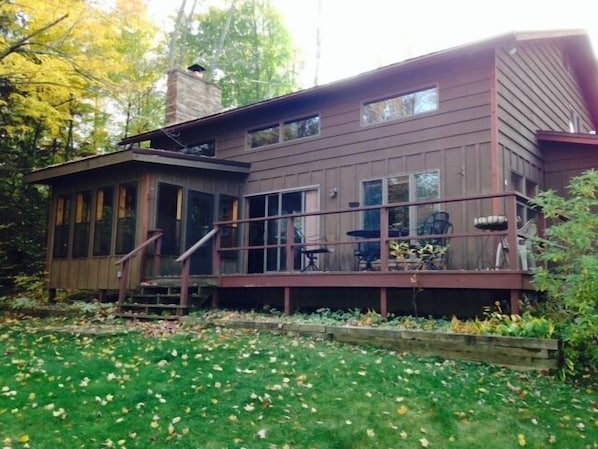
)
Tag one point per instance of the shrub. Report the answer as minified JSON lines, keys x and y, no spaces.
{"x":568,"y":274}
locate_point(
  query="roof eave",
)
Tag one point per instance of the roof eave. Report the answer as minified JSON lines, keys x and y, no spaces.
{"x":51,"y":174}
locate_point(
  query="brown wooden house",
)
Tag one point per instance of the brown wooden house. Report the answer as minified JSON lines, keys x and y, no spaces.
{"x":255,"y":192}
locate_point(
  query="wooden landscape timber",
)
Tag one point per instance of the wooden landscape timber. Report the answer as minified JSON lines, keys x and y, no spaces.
{"x":513,"y":352}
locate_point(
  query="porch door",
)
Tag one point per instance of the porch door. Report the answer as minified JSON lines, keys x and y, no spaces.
{"x":169,"y":214}
{"x":274,"y":232}
{"x":200,"y":220}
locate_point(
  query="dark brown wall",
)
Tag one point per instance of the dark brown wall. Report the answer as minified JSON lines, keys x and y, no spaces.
{"x":564,"y":161}
{"x":454,"y":140}
{"x":535,"y":91}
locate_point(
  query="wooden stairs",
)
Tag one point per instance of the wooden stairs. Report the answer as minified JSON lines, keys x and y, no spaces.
{"x":162,"y":302}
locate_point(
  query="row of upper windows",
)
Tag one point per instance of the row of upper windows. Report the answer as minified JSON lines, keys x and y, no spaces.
{"x":372,"y":112}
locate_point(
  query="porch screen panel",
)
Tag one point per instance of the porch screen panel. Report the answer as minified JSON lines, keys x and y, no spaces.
{"x":82,"y":220}
{"x":62,"y":226}
{"x":127,"y":218}
{"x":102,"y":241}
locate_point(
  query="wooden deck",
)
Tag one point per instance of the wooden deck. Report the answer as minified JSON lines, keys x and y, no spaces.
{"x":495,"y":284}
{"x":462,"y":284}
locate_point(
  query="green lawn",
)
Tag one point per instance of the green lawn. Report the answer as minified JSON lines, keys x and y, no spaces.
{"x":219,"y":388}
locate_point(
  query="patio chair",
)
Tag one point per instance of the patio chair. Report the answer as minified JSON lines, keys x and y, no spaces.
{"x":313,"y":246}
{"x":524,"y":246}
{"x":433,"y":251}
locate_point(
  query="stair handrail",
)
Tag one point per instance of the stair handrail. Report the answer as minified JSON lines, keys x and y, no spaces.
{"x":123,"y":272}
{"x":202,"y":241}
{"x":185,"y":258}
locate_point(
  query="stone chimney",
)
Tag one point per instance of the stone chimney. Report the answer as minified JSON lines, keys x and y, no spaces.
{"x":189,"y":96}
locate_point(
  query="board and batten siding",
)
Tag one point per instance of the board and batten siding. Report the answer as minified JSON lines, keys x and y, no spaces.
{"x":454,"y":140}
{"x":536,"y":90}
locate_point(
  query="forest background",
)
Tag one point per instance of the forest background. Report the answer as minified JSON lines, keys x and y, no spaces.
{"x":78,"y":77}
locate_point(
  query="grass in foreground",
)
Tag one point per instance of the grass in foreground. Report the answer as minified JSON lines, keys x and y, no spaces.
{"x":219,"y":388}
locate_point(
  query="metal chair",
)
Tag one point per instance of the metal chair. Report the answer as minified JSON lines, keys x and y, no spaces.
{"x":524,"y":246}
{"x":312,"y":247}
{"x":434,"y":250}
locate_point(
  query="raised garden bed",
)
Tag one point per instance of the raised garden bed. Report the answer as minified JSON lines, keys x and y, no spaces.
{"x":513,"y":352}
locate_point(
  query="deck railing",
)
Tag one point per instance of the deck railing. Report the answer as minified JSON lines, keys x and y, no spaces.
{"x":124,"y":262}
{"x":334,"y":225}
{"x":185,"y":259}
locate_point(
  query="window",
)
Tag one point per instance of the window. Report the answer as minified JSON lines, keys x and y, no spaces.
{"x":396,"y":189}
{"x":298,"y":129}
{"x":126,"y":219}
{"x":102,"y":240}
{"x":62,"y":226}
{"x":526,"y":187}
{"x":207,"y":148}
{"x":82,"y":219}
{"x":393,"y":108}
{"x":273,"y":231}
{"x":291,"y":130}
{"x":264,"y":136}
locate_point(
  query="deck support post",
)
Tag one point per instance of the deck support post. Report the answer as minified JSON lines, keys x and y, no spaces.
{"x":384,"y":302}
{"x":287,"y":300}
{"x":215,"y":303}
{"x":515,"y":298}
{"x":52,"y":295}
{"x":185,"y":282}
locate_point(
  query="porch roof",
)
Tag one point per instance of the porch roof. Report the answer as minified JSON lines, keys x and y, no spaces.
{"x":567,"y":138}
{"x":49,"y":175}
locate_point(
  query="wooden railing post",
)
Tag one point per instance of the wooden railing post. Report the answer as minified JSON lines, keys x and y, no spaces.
{"x":513,"y":256}
{"x":185,"y":259}
{"x":124,"y":265}
{"x":123,"y":280}
{"x":157,"y":256}
{"x":185,"y":282}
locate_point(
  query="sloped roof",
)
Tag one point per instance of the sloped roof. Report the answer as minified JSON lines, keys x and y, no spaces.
{"x":579,"y":48}
{"x":51,"y":174}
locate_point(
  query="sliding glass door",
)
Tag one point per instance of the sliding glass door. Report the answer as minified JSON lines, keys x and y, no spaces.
{"x":274,"y":231}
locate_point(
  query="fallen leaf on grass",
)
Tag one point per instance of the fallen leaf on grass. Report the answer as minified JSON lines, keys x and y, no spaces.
{"x":521,"y":440}
{"x":424,"y":442}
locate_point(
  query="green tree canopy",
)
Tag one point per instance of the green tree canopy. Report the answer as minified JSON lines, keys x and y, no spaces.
{"x":247,"y":50}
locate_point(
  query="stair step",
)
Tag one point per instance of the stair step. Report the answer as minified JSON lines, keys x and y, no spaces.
{"x":145,"y":316}
{"x":153,"y":306}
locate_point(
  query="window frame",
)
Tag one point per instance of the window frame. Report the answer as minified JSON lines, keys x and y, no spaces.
{"x":103,"y":223}
{"x":61,"y":244}
{"x":82,"y":223}
{"x":124,"y":220}
{"x":414,"y":212}
{"x":195,"y":151}
{"x":279,"y":128}
{"x":399,"y":96}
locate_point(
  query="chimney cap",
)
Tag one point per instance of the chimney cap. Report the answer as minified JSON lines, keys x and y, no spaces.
{"x":196,"y":68}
